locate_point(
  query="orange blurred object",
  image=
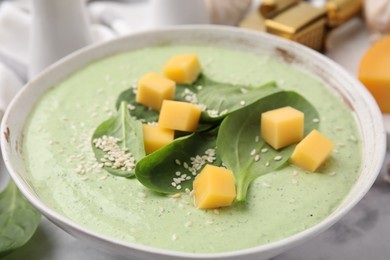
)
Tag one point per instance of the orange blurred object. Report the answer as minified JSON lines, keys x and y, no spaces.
{"x":374,"y":72}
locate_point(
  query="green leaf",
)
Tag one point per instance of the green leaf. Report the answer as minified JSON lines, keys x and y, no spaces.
{"x":224,"y":98}
{"x":158,"y":170}
{"x":18,"y":219}
{"x":129,"y":133}
{"x":142,"y":112}
{"x":216,"y":96}
{"x":238,"y":134}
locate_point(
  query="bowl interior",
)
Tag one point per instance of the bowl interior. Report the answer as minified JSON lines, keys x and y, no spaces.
{"x":340,"y":82}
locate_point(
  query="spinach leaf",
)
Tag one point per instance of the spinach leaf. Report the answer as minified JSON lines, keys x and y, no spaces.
{"x":126,"y":140}
{"x":142,"y":112}
{"x":239,"y":132}
{"x":18,"y":219}
{"x":221,"y":99}
{"x":218,"y":98}
{"x":160,"y":169}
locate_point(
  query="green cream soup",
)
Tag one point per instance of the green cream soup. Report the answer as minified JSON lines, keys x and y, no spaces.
{"x":60,"y":160}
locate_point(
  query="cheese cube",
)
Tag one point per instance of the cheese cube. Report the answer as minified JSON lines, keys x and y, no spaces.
{"x":182,"y":68}
{"x":156,"y":137}
{"x":374,"y":72}
{"x":282,"y":127}
{"x":153,"y":89}
{"x":214,"y":187}
{"x":178,"y":115}
{"x":312,"y":151}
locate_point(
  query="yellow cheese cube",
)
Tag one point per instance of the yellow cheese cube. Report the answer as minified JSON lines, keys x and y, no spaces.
{"x":282,"y":127}
{"x":156,"y":137}
{"x":214,"y":187}
{"x":374,"y":72}
{"x":312,"y":151}
{"x":182,"y":68}
{"x":178,"y":115}
{"x":153,"y":89}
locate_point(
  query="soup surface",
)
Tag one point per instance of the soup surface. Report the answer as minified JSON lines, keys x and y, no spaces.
{"x":60,"y":160}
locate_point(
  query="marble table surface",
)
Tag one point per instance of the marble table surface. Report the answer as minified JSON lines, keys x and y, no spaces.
{"x":364,"y":233}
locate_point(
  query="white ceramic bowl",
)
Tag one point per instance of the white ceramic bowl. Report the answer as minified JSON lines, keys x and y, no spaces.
{"x":356,"y":97}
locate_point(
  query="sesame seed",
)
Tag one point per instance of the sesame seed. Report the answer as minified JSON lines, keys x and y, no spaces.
{"x":185,"y":165}
{"x":242,"y":102}
{"x":265,"y":184}
{"x":176,"y":195}
{"x":161,"y":210}
{"x":264,"y":150}
{"x":188,"y":224}
{"x":174,"y":237}
{"x":178,"y":173}
{"x":103,"y":177}
{"x":257,"y":157}
{"x":253,"y":152}
{"x":266,"y":164}
{"x":316,"y":120}
{"x":174,"y":184}
{"x":178,"y":187}
{"x":278,"y":158}
{"x":332,"y":173}
{"x":295,"y":173}
{"x":177,"y":161}
{"x":257,"y":139}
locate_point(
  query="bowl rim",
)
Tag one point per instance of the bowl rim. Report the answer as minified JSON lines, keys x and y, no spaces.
{"x":285,"y":242}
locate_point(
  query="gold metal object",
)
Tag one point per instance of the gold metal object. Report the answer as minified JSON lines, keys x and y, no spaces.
{"x":340,"y":11}
{"x":254,"y":21}
{"x":302,"y":23}
{"x":270,"y":8}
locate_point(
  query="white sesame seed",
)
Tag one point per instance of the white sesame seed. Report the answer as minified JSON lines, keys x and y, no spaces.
{"x":257,"y":139}
{"x":278,"y":158}
{"x":187,"y":190}
{"x":266,"y":164}
{"x":257,"y":157}
{"x":332,"y":173}
{"x":161,"y":210}
{"x":174,"y":184}
{"x":185,"y":165}
{"x":265,"y":184}
{"x":174,"y":237}
{"x":242,"y":102}
{"x":178,"y":187}
{"x":253,"y":152}
{"x":176,"y":195}
{"x":316,"y":120}
{"x":178,"y":173}
{"x":188,"y":224}
{"x":264,"y":150}
{"x":103,"y":177}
